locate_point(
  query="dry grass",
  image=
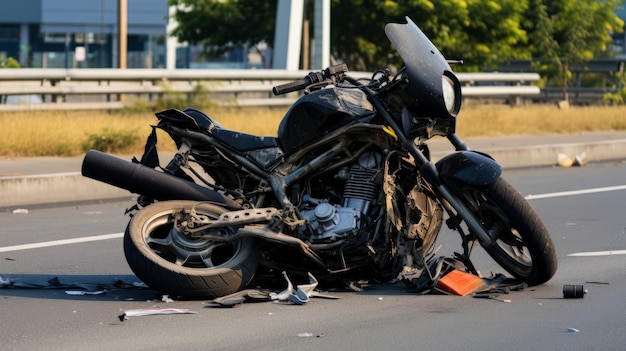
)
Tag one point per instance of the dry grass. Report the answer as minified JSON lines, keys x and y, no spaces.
{"x":28,"y":134}
{"x":495,"y":120}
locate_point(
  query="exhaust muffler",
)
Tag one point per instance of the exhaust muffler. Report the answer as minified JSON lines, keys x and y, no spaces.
{"x":139,"y":179}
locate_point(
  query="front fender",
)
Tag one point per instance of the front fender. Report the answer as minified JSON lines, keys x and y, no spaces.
{"x":470,"y":167}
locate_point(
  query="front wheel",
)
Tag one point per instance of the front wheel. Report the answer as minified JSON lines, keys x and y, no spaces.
{"x":171,"y":262}
{"x":523,"y":246}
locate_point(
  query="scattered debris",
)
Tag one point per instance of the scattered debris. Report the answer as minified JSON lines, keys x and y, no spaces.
{"x":141,"y":285}
{"x":283,"y":295}
{"x":5,"y":282}
{"x":573,"y":330}
{"x":299,"y":296}
{"x":20,"y":211}
{"x":460,"y":283}
{"x":304,"y":335}
{"x":80,"y":292}
{"x":573,"y":291}
{"x":248,"y":295}
{"x":153,"y":311}
{"x":566,"y":161}
{"x":166,"y":299}
{"x":491,"y":296}
{"x":580,"y":160}
{"x":55,"y":283}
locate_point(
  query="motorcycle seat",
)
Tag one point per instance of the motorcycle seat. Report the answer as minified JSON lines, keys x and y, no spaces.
{"x":237,"y":140}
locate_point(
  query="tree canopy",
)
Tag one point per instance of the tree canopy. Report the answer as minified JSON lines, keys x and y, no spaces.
{"x":481,"y":32}
{"x":566,"y":33}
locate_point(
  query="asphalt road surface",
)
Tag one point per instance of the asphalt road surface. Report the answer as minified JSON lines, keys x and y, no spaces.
{"x":584,"y":208}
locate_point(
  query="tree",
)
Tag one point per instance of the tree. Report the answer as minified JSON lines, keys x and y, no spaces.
{"x":481,"y":32}
{"x":221,"y":25}
{"x":566,"y":33}
{"x":478,"y":31}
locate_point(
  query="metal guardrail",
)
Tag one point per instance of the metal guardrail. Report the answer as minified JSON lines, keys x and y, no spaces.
{"x":102,"y":88}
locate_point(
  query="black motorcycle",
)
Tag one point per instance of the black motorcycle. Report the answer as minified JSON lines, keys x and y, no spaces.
{"x":346,"y":192}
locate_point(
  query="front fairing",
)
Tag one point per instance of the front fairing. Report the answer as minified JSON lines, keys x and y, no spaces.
{"x":425,"y":68}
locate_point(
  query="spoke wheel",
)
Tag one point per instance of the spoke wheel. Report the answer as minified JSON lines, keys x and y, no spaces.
{"x":523,"y":246}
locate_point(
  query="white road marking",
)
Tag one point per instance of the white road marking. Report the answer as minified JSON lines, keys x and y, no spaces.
{"x":581,"y":192}
{"x":529,"y":197}
{"x":61,"y":242}
{"x":576,"y":192}
{"x":598,"y":253}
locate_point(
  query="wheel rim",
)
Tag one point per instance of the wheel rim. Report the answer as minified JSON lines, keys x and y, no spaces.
{"x":165,"y":242}
{"x":511,"y":250}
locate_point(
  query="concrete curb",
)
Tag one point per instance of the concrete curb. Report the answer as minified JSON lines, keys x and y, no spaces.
{"x":54,"y":188}
{"x":546,"y":155}
{"x":37,"y":189}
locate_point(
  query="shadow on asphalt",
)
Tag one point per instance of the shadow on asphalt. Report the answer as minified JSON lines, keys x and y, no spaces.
{"x":72,"y":287}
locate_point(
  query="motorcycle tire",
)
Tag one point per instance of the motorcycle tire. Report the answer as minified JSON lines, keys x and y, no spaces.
{"x":182,"y":266}
{"x":523,"y":246}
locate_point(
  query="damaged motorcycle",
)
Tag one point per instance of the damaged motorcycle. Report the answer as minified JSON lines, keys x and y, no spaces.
{"x":346,"y":191}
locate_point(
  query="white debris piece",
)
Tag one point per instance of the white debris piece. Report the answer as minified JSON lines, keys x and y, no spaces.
{"x":81,"y":292}
{"x":153,"y":311}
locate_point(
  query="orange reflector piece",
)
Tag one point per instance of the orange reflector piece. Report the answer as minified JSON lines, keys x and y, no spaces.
{"x":460,"y":283}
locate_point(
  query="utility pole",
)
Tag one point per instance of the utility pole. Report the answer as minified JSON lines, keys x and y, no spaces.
{"x":288,"y":34}
{"x":122,"y":23}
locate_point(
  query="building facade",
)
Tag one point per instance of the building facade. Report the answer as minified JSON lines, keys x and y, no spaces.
{"x":82,"y":33}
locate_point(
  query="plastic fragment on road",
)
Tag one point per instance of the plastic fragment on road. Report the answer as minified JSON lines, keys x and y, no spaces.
{"x":301,"y":294}
{"x":5,"y":282}
{"x":153,"y":311}
{"x":573,"y":330}
{"x":81,"y":292}
{"x":283,"y":295}
{"x":298,"y":295}
{"x":460,"y":283}
{"x":20,"y":211}
{"x":581,"y":159}
{"x":248,"y":295}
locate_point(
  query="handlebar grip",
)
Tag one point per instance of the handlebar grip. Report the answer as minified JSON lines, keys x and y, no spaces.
{"x":291,"y":86}
{"x":312,"y":77}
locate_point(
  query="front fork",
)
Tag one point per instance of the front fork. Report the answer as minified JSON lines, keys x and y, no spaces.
{"x":432,"y":175}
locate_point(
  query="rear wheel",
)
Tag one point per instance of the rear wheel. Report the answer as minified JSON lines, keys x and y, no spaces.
{"x":180,"y":265}
{"x":523,"y":246}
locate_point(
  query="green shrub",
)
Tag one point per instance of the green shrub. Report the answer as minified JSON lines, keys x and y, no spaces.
{"x":614,"y":99}
{"x":198,"y":98}
{"x":8,"y":62}
{"x":111,"y":141}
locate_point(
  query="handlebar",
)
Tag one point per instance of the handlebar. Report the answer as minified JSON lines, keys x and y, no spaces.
{"x":336,"y":72}
{"x":313,"y":77}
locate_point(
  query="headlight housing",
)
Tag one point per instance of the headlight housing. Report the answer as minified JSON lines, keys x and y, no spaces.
{"x":451,"y":89}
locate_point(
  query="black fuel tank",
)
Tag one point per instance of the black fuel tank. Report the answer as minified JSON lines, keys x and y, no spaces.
{"x":319,"y":113}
